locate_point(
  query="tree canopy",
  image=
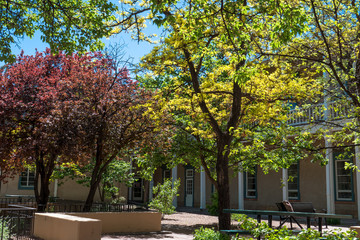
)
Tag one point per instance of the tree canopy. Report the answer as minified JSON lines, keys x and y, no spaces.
{"x":71,"y":25}
{"x":225,"y":97}
{"x":57,"y":108}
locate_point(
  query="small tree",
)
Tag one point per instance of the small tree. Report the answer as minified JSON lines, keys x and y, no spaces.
{"x":164,"y":195}
{"x":118,"y":171}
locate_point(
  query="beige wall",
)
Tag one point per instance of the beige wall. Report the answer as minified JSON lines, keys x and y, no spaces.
{"x":12,"y":188}
{"x":68,"y":189}
{"x":71,"y":190}
{"x":54,"y":226}
{"x":129,"y":222}
{"x":269,"y":191}
{"x":313,"y":183}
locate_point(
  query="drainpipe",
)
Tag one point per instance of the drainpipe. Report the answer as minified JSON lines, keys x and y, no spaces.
{"x":174,"y":177}
{"x":130,"y":188}
{"x":202,"y":189}
{"x":284,"y":184}
{"x":56,"y":184}
{"x":151,"y":185}
{"x":357,"y":162}
{"x":241,"y":190}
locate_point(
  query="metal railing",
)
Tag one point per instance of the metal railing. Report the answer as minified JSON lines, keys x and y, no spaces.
{"x":96,"y":207}
{"x":68,"y":206}
{"x":319,"y":113}
{"x":16,"y":222}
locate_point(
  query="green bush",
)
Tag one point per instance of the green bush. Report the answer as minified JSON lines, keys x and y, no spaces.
{"x":164,"y":195}
{"x":285,"y":234}
{"x":213,"y":208}
{"x":333,"y":221}
{"x":119,"y":200}
{"x":4,"y":229}
{"x":209,"y":234}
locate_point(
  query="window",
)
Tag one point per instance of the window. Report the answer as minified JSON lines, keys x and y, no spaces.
{"x":166,"y":174}
{"x":27,"y":180}
{"x":293,"y":182}
{"x":250,"y":184}
{"x":137,"y":189}
{"x":343,"y":179}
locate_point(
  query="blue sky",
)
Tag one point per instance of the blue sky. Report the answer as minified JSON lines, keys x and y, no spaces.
{"x":132,"y":48}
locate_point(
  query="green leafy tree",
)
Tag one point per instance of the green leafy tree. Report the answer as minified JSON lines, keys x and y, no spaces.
{"x":164,"y":196}
{"x":229,"y":105}
{"x":70,"y":25}
{"x":330,"y":47}
{"x":116,"y":172}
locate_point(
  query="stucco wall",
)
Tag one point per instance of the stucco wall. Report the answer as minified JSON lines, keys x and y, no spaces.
{"x":68,"y":190}
{"x":312,"y":183}
{"x":53,"y":226}
{"x":129,"y":222}
{"x":269,"y":191}
{"x":12,"y":188}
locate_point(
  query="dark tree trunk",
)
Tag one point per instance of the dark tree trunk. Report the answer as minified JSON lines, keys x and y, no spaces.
{"x":222,"y":170}
{"x":94,"y":184}
{"x":43,"y":173}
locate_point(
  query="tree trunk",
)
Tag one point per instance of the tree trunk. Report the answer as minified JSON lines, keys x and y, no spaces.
{"x":94,"y":184}
{"x":44,"y":193}
{"x":44,"y":172}
{"x":222,"y":170}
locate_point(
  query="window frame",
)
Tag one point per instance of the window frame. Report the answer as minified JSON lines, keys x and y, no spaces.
{"x":27,"y":186}
{"x":345,"y":158}
{"x":246,"y":190}
{"x":165,"y":172}
{"x":297,"y":182}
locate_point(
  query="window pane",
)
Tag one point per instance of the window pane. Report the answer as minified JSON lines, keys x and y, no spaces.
{"x":343,"y":180}
{"x":27,"y":179}
{"x":250,"y":185}
{"x":293,"y":183}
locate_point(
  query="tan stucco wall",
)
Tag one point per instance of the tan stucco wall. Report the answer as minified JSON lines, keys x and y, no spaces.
{"x":130,"y":222}
{"x":68,"y":189}
{"x":269,"y":191}
{"x":54,"y":226}
{"x":71,"y":190}
{"x":312,"y":183}
{"x":12,"y":188}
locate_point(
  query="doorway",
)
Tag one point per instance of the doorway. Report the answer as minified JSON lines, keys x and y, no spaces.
{"x":189,"y":187}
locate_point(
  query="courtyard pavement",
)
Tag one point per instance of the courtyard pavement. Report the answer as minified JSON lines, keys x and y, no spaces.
{"x":182,"y":225}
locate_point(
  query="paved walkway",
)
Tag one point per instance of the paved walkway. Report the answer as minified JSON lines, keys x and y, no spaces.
{"x":182,"y":225}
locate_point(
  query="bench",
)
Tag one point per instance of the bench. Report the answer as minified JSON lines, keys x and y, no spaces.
{"x":307,"y":207}
{"x":307,"y":215}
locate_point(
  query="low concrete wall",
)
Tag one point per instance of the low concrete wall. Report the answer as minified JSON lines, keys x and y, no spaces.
{"x":129,"y":222}
{"x":55,"y":226}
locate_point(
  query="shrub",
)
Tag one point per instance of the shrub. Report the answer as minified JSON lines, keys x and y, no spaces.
{"x":332,"y":221}
{"x":164,"y":195}
{"x":209,"y":234}
{"x":213,"y":208}
{"x":119,"y":200}
{"x":285,"y":234}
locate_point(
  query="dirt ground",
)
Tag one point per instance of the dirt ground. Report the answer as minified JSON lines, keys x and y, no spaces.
{"x":182,"y":225}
